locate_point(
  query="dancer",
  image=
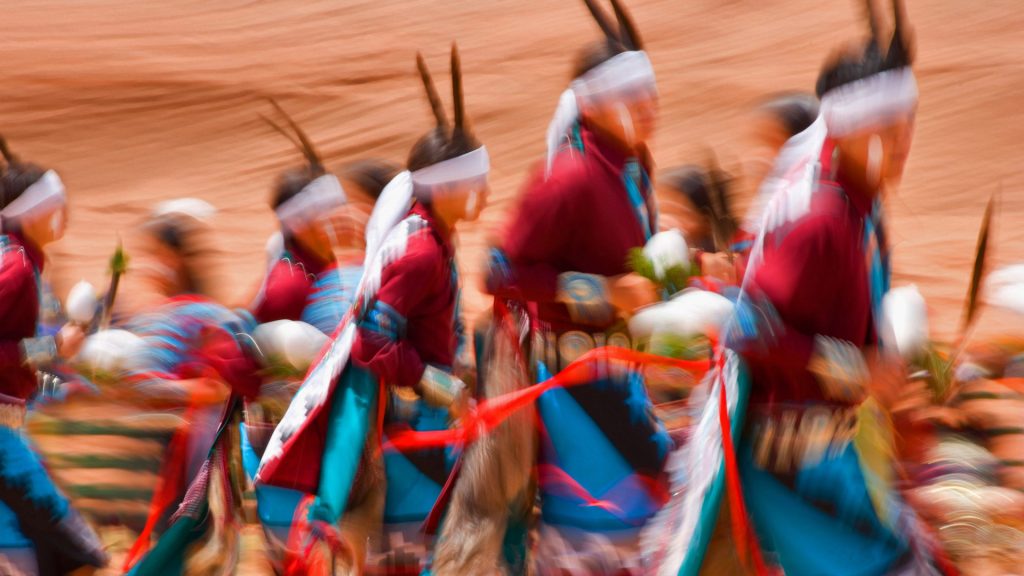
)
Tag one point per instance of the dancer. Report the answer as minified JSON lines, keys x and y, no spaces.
{"x":171,"y":261}
{"x":33,"y":210}
{"x":319,"y":221}
{"x":400,"y":333}
{"x":816,"y":475}
{"x":566,"y":250}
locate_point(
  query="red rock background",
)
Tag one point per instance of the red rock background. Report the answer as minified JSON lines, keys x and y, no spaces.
{"x":138,"y":102}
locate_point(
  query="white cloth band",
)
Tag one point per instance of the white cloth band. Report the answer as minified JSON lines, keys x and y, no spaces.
{"x":791,"y":179}
{"x":44,"y":195}
{"x":391,"y":207}
{"x":618,"y":77}
{"x":396,"y":198}
{"x":874,"y":101}
{"x":190,"y":207}
{"x":318,"y":198}
{"x":470,"y":166}
{"x":790,"y":187}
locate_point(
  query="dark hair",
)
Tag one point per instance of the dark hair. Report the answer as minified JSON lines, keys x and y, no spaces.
{"x":704,"y":189}
{"x":443,"y":142}
{"x":795,"y":111}
{"x":174,"y":235}
{"x":692,"y":182}
{"x":436,"y":146}
{"x":15,"y":176}
{"x":371,"y":175}
{"x":617,"y":39}
{"x":869,"y":59}
{"x":291,"y":182}
{"x":593,"y":55}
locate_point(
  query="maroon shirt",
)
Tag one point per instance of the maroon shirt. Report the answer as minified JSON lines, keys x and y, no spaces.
{"x":20,"y":263}
{"x":814,"y":273}
{"x":411,"y":324}
{"x":288,"y":284}
{"x":579,"y":219}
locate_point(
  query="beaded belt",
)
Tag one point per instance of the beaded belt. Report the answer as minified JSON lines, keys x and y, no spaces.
{"x":788,"y":438}
{"x":559,"y":350}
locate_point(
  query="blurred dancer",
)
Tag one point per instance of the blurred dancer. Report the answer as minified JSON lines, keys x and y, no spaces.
{"x":401,"y":333}
{"x":566,"y":250}
{"x":698,"y":202}
{"x":195,"y":354}
{"x":317,"y":218}
{"x":789,"y":132}
{"x":171,"y":259}
{"x":817,"y":469}
{"x":33,"y":208}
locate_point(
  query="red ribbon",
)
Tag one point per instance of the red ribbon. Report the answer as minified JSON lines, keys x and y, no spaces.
{"x":301,"y":558}
{"x":742,"y":530}
{"x":492,"y":412}
{"x":172,"y":474}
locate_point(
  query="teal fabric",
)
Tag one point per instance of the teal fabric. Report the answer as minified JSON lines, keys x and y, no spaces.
{"x":633,"y":177}
{"x":411,"y":494}
{"x":168,"y":557}
{"x":878,"y":262}
{"x":820,"y":521}
{"x":515,"y":546}
{"x":353,"y":411}
{"x":698,"y":545}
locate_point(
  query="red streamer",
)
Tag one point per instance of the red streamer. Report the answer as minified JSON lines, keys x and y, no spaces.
{"x":492,"y":412}
{"x":172,"y":474}
{"x":301,"y":558}
{"x":742,"y":530}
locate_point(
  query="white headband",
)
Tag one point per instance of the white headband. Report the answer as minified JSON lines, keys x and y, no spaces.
{"x":318,"y":198}
{"x":872,"y":101}
{"x":191,"y":207}
{"x":45,"y":194}
{"x":396,"y":198}
{"x":618,"y":77}
{"x":469,"y":166}
{"x":621,"y":75}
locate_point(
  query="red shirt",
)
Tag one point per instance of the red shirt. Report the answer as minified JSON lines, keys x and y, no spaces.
{"x":815,"y":274}
{"x":411,"y":322}
{"x":20,"y":262}
{"x":288,"y":285}
{"x":579,"y":219}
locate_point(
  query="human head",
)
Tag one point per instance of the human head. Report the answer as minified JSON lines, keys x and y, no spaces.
{"x":32,"y":200}
{"x":448,"y":165}
{"x":869,"y":100}
{"x":689,"y":200}
{"x":306,"y":198}
{"x":175,"y":228}
{"x":364,"y":181}
{"x":614,"y":82}
{"x":309,"y":231}
{"x":776,"y":120}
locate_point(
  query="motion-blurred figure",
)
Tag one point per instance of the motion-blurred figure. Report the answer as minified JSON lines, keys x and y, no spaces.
{"x":566,"y":251}
{"x":817,"y":468}
{"x":698,"y":201}
{"x":171,"y":259}
{"x":789,"y":132}
{"x":40,"y":533}
{"x":402,"y":335}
